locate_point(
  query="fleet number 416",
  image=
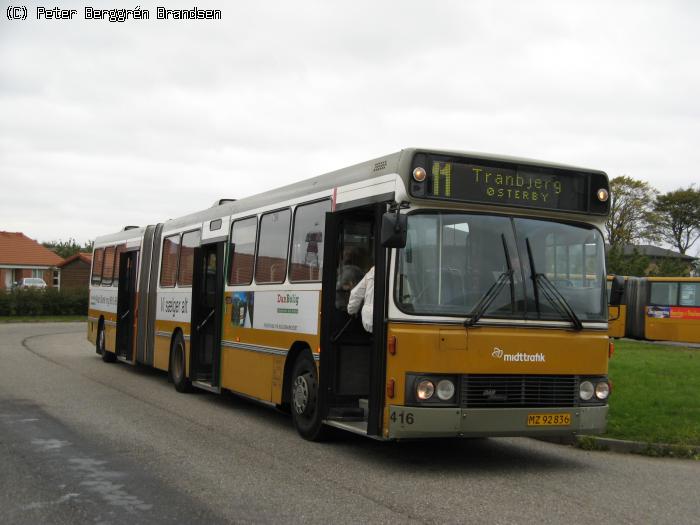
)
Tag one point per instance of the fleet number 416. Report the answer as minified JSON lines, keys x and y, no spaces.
{"x":403,"y":418}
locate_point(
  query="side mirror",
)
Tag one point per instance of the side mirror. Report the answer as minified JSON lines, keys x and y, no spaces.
{"x":617,"y":290}
{"x":394,"y":230}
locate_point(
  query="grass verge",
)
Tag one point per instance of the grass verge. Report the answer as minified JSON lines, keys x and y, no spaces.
{"x":42,"y":318}
{"x":655,"y":395}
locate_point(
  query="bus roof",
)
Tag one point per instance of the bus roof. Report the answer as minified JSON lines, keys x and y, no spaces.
{"x":398,"y":162}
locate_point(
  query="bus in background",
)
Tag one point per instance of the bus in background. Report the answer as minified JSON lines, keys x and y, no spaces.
{"x":662,"y":309}
{"x":617,"y":315}
{"x":489,"y":317}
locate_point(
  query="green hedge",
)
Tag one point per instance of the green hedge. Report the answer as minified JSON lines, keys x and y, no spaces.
{"x":44,"y":302}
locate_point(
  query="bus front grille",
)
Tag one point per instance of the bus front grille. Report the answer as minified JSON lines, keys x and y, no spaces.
{"x":525,"y":391}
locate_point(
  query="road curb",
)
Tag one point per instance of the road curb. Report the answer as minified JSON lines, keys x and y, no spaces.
{"x":627,"y":447}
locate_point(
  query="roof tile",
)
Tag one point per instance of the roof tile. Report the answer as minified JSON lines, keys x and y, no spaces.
{"x":85,"y":257}
{"x":19,"y":250}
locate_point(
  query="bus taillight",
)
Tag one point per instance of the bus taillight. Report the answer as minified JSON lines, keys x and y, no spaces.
{"x":611,"y":349}
{"x":390,"y":388}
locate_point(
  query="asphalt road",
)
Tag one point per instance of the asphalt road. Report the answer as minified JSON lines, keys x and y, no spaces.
{"x":82,"y":441}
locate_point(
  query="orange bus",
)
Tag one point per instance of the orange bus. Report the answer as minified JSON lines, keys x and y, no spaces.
{"x":489,"y":292}
{"x":659,"y":309}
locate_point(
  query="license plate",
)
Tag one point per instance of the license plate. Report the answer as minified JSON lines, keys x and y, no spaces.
{"x":549,"y":420}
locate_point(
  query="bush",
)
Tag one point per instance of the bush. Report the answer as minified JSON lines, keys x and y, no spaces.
{"x":44,"y":302}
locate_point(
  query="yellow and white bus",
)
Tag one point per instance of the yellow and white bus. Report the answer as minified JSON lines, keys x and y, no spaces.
{"x":658,"y":309}
{"x":490,"y":310}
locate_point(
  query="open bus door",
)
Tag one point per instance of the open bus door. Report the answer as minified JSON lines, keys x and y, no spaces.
{"x":353,"y":361}
{"x":126,"y":305}
{"x":205,"y":331}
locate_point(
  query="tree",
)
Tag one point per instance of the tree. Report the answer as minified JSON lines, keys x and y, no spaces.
{"x":679,"y":217}
{"x":634,"y":264}
{"x":632,"y":214}
{"x":67,"y":248}
{"x":695,"y":270}
{"x":671,"y":267}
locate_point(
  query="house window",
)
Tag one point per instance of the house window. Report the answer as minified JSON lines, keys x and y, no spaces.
{"x":38,"y":274}
{"x":57,"y":279}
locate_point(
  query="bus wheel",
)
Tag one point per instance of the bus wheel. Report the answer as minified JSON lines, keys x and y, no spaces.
{"x":304,"y":399}
{"x":107,"y":356}
{"x":178,"y":365}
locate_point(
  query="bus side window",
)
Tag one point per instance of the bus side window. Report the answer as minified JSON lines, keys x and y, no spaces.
{"x":307,"y":242}
{"x":242,"y":259}
{"x":190,"y":241}
{"x":97,"y":261}
{"x":168,"y":268}
{"x":272,"y":247}
{"x":121,"y":248}
{"x":690,"y":294}
{"x":664,"y":294}
{"x":108,"y":269}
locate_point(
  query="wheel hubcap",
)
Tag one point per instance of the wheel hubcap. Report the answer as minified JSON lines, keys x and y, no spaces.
{"x":301,"y":395}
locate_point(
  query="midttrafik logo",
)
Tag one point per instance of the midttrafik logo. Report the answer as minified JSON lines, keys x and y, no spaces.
{"x":520,"y":357}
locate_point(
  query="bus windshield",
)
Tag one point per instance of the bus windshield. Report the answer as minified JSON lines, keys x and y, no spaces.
{"x":453,"y":260}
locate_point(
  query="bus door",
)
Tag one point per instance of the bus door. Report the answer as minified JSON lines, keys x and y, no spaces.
{"x":352,"y":359}
{"x":205,"y":332}
{"x":126,"y":305}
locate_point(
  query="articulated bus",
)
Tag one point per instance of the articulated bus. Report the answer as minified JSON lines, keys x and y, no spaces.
{"x":489,"y":317}
{"x":617,"y":315}
{"x":658,"y":309}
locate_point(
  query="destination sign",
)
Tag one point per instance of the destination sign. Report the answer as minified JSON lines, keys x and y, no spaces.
{"x":510,"y":185}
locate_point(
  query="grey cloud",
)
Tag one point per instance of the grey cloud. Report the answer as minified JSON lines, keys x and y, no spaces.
{"x":139,"y":122}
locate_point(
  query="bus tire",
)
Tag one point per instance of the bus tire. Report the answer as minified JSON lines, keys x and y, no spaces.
{"x":178,"y":365}
{"x":303,"y":397}
{"x":107,"y":356}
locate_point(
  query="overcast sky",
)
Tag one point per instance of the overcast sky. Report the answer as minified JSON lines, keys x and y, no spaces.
{"x":107,"y":124}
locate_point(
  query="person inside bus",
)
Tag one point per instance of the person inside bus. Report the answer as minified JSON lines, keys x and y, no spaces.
{"x":349,"y":274}
{"x":363,"y":295}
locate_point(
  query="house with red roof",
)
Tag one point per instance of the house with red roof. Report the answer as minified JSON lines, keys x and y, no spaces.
{"x":75,"y":272}
{"x":22,"y":257}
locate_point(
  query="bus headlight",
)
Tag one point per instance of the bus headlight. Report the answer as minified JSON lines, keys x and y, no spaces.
{"x":425,"y":390}
{"x":602,"y":194}
{"x":602,"y":390}
{"x":586,"y":390}
{"x":445,"y":389}
{"x":419,"y":174}
{"x":431,"y":390}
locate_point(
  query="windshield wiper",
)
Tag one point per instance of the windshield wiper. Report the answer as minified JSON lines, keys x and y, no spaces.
{"x":558,"y":300}
{"x":551,"y":293}
{"x":510,"y":269}
{"x":480,"y":309}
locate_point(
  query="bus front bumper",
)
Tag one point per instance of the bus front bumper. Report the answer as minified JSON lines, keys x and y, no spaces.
{"x":422,"y":422}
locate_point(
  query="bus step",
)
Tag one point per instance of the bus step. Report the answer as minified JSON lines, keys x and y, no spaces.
{"x":346,"y":414}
